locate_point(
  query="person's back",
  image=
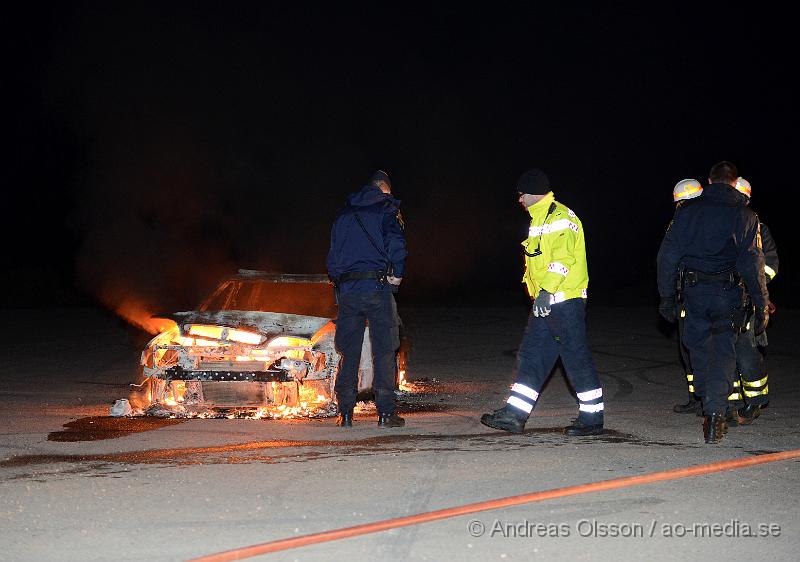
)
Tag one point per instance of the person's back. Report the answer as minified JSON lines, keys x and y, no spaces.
{"x":713,"y":240}
{"x":366,"y":237}
{"x":710,"y":226}
{"x":366,"y":263}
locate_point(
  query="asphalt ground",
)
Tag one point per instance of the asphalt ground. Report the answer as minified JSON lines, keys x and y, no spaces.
{"x":77,"y":485}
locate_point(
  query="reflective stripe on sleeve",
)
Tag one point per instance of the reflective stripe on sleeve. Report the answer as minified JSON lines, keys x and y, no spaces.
{"x":769,"y":271}
{"x":524,"y":390}
{"x":560,"y":296}
{"x":559,"y":268}
{"x":520,"y":404}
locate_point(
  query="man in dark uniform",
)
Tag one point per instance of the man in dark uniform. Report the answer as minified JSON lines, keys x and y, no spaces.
{"x":750,"y":351}
{"x":366,"y":263}
{"x":713,"y":242}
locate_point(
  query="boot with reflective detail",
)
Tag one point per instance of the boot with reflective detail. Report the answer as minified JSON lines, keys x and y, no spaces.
{"x":505,"y":419}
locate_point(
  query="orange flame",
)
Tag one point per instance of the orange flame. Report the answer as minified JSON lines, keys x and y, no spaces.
{"x":137,"y":313}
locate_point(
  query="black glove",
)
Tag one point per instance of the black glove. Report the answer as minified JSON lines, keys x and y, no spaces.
{"x":668,"y":309}
{"x":760,"y":319}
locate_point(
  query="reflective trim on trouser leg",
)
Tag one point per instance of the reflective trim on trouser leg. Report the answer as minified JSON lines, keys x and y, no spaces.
{"x":690,"y":382}
{"x":591,"y":408}
{"x":736,"y":394}
{"x":525,"y":391}
{"x":590,"y":395}
{"x":756,"y":388}
{"x":520,"y":404}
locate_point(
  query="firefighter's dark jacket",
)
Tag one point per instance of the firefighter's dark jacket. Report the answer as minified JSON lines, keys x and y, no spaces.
{"x":713,"y":233}
{"x":351,"y":249}
{"x":770,"y":253}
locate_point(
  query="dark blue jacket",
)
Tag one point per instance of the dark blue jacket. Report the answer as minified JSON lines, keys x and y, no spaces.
{"x":770,"y":252}
{"x":712,"y":233}
{"x":351,"y":249}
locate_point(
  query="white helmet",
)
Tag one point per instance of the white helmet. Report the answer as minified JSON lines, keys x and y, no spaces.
{"x":743,"y":186}
{"x":686,"y":189}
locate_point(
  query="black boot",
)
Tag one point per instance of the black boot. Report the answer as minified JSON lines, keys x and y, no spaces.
{"x":390,"y":420}
{"x":731,"y":419}
{"x":581,"y":429}
{"x":345,"y":418}
{"x":748,"y":414}
{"x":505,"y":419}
{"x":714,"y":427}
{"x":693,"y":406}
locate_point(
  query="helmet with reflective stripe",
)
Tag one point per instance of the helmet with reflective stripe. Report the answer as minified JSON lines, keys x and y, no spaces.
{"x":686,"y":189}
{"x":743,"y":186}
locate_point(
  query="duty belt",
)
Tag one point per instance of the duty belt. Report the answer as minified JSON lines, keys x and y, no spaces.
{"x":359,"y":275}
{"x":691,"y":277}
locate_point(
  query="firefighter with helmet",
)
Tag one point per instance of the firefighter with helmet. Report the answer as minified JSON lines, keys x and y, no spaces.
{"x":686,"y":190}
{"x":751,"y":367}
{"x":712,"y":244}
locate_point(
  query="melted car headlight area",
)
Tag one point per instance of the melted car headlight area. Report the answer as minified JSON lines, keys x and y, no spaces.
{"x":261,"y":346}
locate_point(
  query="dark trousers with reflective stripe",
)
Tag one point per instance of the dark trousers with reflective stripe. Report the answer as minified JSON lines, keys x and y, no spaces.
{"x":752,"y":367}
{"x":355,"y":310}
{"x":695,"y":391}
{"x":708,"y":334}
{"x":562,"y":333}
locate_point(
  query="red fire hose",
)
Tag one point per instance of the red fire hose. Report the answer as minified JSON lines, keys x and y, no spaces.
{"x":386,"y":524}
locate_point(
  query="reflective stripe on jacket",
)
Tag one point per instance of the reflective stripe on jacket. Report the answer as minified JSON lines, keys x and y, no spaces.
{"x":560,"y":268}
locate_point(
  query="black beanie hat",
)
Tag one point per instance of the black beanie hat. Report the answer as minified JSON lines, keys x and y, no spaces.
{"x":533,"y":182}
{"x":380,"y":175}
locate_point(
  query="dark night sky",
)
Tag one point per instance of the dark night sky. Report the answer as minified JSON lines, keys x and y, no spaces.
{"x":155,"y":147}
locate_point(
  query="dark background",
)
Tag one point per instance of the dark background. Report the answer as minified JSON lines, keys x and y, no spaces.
{"x":153,"y":148}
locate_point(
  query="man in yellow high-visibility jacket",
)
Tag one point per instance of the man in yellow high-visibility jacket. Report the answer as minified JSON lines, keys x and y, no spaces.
{"x":557,"y":278}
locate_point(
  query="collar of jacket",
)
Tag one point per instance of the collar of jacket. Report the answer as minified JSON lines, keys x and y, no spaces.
{"x":723,"y":194}
{"x":542,"y":203}
{"x":369,"y":195}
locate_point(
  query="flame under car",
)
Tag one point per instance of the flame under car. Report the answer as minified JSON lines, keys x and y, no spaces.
{"x":260,"y":345}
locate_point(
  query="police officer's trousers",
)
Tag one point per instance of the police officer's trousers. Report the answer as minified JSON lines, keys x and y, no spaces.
{"x":562,"y":333}
{"x":709,"y":335}
{"x":378,"y":308}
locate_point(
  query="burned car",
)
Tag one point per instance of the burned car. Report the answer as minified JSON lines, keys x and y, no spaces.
{"x":260,"y":345}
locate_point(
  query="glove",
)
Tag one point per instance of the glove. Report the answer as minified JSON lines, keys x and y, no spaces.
{"x":668,"y":309}
{"x":772,"y":308}
{"x":541,"y":305}
{"x":760,"y":319}
{"x":761,"y":339}
{"x":394,"y":280}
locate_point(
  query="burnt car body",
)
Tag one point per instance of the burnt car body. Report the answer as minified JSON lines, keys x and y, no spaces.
{"x":259,"y":342}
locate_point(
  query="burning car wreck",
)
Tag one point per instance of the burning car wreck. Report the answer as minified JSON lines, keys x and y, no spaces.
{"x":261,"y":345}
